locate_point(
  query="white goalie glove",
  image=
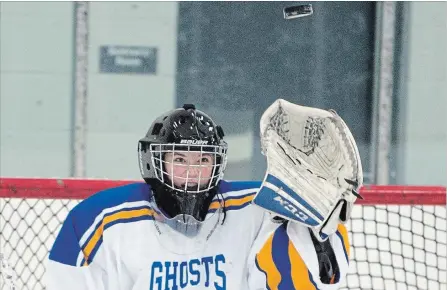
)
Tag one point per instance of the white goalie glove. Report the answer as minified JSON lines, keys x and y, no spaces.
{"x":314,"y":170}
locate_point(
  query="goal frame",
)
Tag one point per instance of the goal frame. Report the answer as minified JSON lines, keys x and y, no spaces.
{"x":72,"y":188}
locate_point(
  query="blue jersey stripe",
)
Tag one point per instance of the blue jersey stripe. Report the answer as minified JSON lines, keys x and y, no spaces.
{"x":85,"y":213}
{"x":234,"y":202}
{"x":109,"y":214}
{"x":236,"y":207}
{"x":129,"y":215}
{"x":227,"y":186}
{"x":280,"y":255}
{"x":107,"y":226}
{"x":311,"y":278}
{"x":66,"y":247}
{"x":228,"y":198}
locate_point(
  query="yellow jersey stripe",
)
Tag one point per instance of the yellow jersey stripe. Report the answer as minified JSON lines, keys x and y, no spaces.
{"x":215,"y":204}
{"x":299,"y":272}
{"x":264,"y":260}
{"x":233,"y":201}
{"x":111,"y":218}
{"x":344,"y":233}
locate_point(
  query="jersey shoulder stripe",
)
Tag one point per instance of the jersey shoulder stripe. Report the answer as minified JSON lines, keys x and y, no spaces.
{"x":229,"y":187}
{"x":125,"y":215}
{"x":236,"y":194}
{"x":233,"y":203}
{"x":87,"y":212}
{"x":86,"y":221}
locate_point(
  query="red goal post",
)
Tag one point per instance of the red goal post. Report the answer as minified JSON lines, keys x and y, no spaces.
{"x":397,"y":233}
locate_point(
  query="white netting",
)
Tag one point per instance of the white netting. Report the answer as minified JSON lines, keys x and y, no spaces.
{"x":28,"y":230}
{"x":392,"y":247}
{"x":398,"y":247}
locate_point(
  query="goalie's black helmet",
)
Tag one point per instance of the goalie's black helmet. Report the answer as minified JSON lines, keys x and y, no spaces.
{"x":182,"y":130}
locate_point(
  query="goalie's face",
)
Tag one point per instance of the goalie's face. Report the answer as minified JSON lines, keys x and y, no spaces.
{"x":190,"y":171}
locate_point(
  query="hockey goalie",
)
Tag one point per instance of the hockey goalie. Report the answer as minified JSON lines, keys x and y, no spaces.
{"x":185,"y":227}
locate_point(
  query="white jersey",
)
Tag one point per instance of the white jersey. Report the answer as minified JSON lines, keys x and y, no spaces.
{"x":112,"y":241}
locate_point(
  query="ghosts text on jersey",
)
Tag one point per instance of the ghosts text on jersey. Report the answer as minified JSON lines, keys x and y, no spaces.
{"x":174,"y":275}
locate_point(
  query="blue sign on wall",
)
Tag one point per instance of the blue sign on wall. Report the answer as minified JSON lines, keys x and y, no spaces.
{"x":128,"y":59}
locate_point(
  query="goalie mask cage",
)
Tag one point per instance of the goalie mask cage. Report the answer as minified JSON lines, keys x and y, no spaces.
{"x":397,"y":234}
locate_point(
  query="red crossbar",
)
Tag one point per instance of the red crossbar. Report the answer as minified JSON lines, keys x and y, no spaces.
{"x":55,"y":188}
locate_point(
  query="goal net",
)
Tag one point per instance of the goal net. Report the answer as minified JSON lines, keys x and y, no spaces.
{"x":397,"y":234}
